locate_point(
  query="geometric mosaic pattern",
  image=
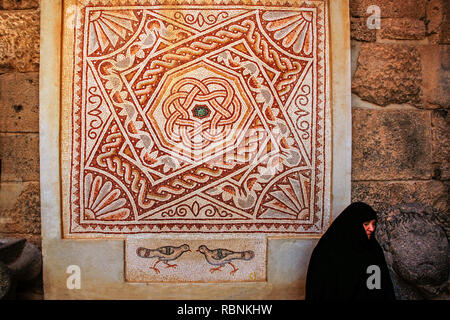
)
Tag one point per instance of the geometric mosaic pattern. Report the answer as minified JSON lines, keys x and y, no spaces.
{"x":198,"y":119}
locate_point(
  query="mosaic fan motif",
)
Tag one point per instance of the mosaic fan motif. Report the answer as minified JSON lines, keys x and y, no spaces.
{"x":199,"y":119}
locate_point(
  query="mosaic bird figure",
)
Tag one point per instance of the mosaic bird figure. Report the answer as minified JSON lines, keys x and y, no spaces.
{"x":163,"y":254}
{"x":221,"y":257}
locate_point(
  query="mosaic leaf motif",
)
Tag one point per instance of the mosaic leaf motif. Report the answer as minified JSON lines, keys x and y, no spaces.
{"x":199,"y":121}
{"x":293,"y":28}
{"x":107,"y":27}
{"x":102,"y":201}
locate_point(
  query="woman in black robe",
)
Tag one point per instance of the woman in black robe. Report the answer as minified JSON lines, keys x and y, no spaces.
{"x":338,"y":268}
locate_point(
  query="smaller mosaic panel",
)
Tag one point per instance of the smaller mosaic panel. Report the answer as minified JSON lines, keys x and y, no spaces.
{"x":195,"y":260}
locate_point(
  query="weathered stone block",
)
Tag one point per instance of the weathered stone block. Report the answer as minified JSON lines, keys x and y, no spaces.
{"x":436,"y":247}
{"x":388,"y":74}
{"x":355,"y":48}
{"x":444,"y":37}
{"x":21,"y":213}
{"x":20,"y":157}
{"x":415,"y":240}
{"x":19,"y":4}
{"x":440,"y":129}
{"x":437,"y":21}
{"x":435,"y":76}
{"x":390,"y":9}
{"x":19,"y":40}
{"x":391,"y":144}
{"x":19,"y":102}
{"x":434,"y":18}
{"x":382,"y":194}
{"x":24,"y":263}
{"x":360,"y":31}
{"x":5,"y":280}
{"x":402,"y":29}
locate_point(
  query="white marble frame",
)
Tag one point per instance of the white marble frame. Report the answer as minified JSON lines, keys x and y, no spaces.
{"x":101,"y":262}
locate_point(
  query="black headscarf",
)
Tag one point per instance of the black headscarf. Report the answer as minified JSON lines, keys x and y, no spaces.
{"x":338,"y":266}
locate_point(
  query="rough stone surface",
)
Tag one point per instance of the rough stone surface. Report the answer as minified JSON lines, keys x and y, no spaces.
{"x":19,"y":4}
{"x":20,"y":157}
{"x":360,"y":32}
{"x":19,"y":40}
{"x":434,"y":18}
{"x":415,"y":240}
{"x":5,"y":280}
{"x":388,"y":74}
{"x":436,"y":75}
{"x":23,"y":262}
{"x":440,"y":130}
{"x":391,"y":144}
{"x":24,"y":216}
{"x":355,"y":48}
{"x":402,"y":29}
{"x":382,"y":194}
{"x":19,"y":102}
{"x":444,"y":37}
{"x":28,"y":265}
{"x":390,"y":9}
{"x":437,"y":21}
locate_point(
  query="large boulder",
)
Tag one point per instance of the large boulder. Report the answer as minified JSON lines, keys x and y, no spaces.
{"x":20,"y":262}
{"x":415,"y":240}
{"x":5,"y":280}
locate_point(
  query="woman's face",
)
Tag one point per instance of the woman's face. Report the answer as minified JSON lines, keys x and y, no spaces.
{"x":369,"y":227}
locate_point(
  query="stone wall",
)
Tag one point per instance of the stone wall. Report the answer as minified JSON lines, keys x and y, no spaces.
{"x":400,"y":101}
{"x":19,"y":119}
{"x":19,"y":126}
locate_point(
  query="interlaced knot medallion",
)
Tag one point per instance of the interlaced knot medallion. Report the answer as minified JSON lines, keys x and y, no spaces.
{"x":200,"y":112}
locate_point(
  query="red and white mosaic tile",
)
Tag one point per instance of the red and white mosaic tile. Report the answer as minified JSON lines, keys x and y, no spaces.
{"x":198,"y":118}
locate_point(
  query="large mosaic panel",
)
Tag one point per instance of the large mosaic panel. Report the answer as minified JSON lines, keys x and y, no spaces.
{"x":197,"y":118}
